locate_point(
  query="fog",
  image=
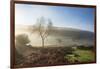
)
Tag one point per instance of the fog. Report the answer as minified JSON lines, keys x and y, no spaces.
{"x":52,"y":39}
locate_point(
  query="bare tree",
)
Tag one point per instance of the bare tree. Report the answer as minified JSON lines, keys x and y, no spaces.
{"x":43,"y":28}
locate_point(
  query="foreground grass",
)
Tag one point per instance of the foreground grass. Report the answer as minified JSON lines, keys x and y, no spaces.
{"x":80,"y":55}
{"x":55,"y":55}
{"x":85,"y":55}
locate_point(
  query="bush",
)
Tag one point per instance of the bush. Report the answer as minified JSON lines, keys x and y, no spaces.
{"x":86,"y":47}
{"x":22,"y":39}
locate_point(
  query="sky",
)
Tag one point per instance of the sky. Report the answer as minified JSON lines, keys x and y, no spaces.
{"x":61,"y":16}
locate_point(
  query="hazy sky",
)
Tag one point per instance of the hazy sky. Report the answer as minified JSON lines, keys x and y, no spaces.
{"x":80,"y":18}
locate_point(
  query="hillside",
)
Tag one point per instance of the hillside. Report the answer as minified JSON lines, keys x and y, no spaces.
{"x":68,"y":36}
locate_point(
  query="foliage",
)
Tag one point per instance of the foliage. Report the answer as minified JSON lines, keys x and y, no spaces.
{"x":55,"y":55}
{"x":80,"y":55}
{"x":85,"y":55}
{"x":22,"y":39}
{"x":85,"y":47}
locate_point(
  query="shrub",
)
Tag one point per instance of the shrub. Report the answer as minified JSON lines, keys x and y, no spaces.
{"x":22,"y":39}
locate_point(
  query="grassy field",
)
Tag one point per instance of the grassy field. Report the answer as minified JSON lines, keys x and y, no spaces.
{"x":56,"y":55}
{"x":85,"y":55}
{"x":81,"y":56}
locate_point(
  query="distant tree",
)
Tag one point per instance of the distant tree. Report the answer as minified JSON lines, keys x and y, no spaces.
{"x":43,"y":28}
{"x":59,"y":41}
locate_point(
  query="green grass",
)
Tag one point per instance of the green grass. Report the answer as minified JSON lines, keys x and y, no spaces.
{"x":82,"y":56}
{"x":85,"y":55}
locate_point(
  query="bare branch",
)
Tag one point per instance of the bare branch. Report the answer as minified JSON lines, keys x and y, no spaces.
{"x":43,"y":29}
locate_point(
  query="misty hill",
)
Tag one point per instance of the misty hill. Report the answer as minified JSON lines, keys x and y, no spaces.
{"x":68,"y":36}
{"x":73,"y":33}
